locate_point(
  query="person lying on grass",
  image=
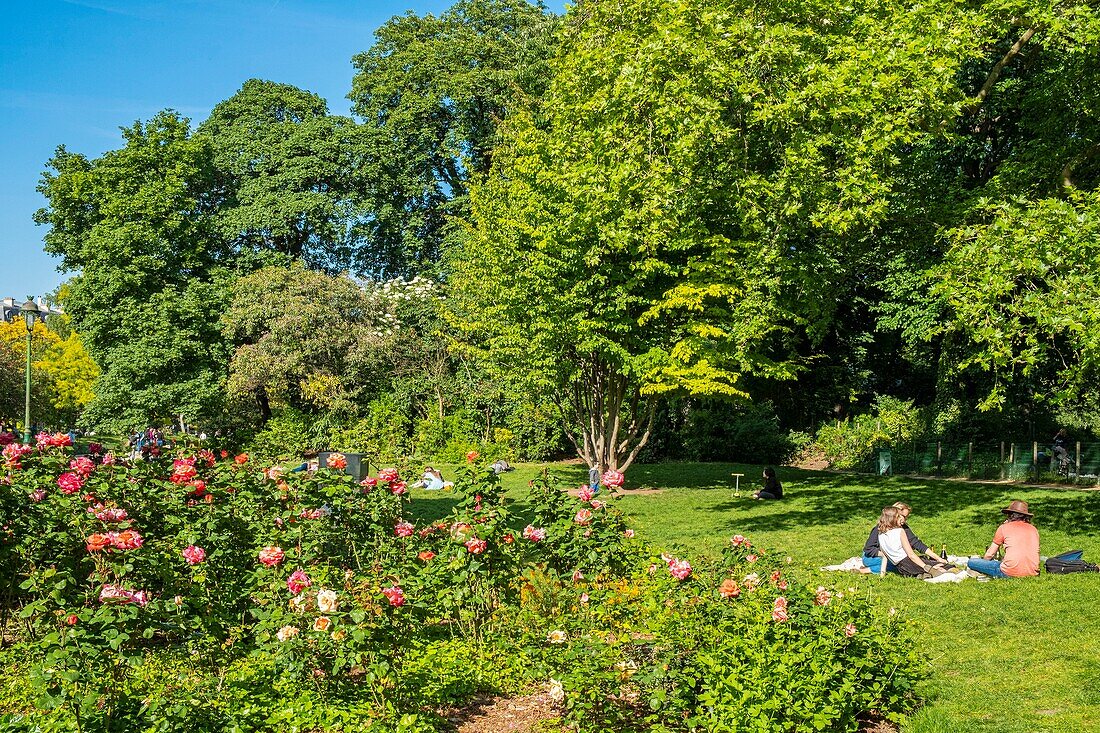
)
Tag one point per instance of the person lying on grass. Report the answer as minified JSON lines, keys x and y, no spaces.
{"x":894,"y":543}
{"x":872,"y":561}
{"x":1020,"y":541}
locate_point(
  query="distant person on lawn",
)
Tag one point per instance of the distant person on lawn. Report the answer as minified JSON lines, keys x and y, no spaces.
{"x":872,"y":562}
{"x":1020,"y":541}
{"x":772,"y":488}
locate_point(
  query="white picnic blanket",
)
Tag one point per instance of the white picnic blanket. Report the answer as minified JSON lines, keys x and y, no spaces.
{"x":853,"y":564}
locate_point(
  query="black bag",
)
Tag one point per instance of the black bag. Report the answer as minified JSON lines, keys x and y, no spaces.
{"x":1070,"y":562}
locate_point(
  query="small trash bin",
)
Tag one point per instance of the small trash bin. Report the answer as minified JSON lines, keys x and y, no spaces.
{"x":355,"y":466}
{"x":885,"y":463}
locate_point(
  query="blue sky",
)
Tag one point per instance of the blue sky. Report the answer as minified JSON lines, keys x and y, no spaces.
{"x":73,"y":71}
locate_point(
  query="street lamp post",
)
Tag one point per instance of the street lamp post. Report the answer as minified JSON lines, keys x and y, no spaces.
{"x":30,"y":311}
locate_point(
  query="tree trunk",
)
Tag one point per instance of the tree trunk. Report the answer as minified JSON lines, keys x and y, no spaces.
{"x":606,"y":418}
{"x":265,"y":406}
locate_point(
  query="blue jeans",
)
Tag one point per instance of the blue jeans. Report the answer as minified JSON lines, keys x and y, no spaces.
{"x":874,"y":564}
{"x":992,"y":568}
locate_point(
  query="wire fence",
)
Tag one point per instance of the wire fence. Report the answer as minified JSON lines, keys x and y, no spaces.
{"x":1016,"y":461}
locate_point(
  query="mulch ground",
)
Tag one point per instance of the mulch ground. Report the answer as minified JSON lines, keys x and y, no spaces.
{"x":523,"y":714}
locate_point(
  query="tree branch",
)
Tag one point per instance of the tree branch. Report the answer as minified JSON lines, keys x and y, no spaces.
{"x":995,"y":72}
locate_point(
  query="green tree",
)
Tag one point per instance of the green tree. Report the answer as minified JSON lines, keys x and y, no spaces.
{"x":304,"y":339}
{"x":285,"y":167}
{"x":137,"y":224}
{"x":431,"y":92}
{"x":691,"y":198}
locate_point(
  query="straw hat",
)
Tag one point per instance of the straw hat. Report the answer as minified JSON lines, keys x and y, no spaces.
{"x":1019,"y":507}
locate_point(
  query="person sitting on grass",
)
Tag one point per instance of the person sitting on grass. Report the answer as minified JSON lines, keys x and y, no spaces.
{"x":772,"y":488}
{"x":894,"y":544}
{"x":872,"y":560}
{"x":1020,"y":541}
{"x":432,"y":480}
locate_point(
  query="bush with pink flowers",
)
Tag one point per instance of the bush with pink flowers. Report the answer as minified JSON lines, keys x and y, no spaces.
{"x":201,"y":592}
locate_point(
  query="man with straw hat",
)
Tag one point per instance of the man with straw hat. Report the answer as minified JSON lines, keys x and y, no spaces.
{"x":1020,"y":541}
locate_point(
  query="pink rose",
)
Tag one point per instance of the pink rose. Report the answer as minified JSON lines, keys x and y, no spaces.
{"x":475,"y":546}
{"x":298,"y":582}
{"x":535,"y":534}
{"x":779,"y":615}
{"x":127,"y":539}
{"x":193,"y":554}
{"x":110,"y":515}
{"x":751,"y":558}
{"x":394,"y":595}
{"x":111,"y":592}
{"x":738,"y":540}
{"x":272,"y":555}
{"x":387,"y":475}
{"x":822,"y":596}
{"x":850,"y":630}
{"x":613,"y":478}
{"x":368,"y":483}
{"x":584,"y":516}
{"x":586,"y":494}
{"x":109,"y":459}
{"x":578,"y":576}
{"x":628,"y":533}
{"x":680,"y":569}
{"x":70,"y":483}
{"x":82,"y":465}
{"x":37,"y":495}
{"x":398,"y":488}
{"x":403,"y":529}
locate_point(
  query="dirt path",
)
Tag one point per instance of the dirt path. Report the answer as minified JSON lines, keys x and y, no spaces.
{"x":522,"y":714}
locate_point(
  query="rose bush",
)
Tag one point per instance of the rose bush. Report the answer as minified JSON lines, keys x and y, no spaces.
{"x":204,"y":592}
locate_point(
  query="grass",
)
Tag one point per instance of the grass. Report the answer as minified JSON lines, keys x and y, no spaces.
{"x":1015,"y":656}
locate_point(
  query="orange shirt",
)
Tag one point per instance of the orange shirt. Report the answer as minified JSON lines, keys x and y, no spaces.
{"x":1021,"y":544}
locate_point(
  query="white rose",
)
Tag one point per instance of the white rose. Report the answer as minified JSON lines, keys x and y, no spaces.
{"x":326,"y":601}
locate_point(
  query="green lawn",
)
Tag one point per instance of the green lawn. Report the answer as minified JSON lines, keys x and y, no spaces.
{"x":1016,"y":656}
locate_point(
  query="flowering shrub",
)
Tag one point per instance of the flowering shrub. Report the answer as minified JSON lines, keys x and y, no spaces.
{"x":327,"y":596}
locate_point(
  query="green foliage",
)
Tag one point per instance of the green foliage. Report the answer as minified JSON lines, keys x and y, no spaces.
{"x":284,"y":437}
{"x":1013,"y":288}
{"x":431,"y":92}
{"x":851,"y":442}
{"x":288,"y":168}
{"x":135,"y":223}
{"x":748,"y":433}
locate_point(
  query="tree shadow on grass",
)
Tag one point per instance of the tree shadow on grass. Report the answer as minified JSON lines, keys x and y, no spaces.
{"x":817,"y":499}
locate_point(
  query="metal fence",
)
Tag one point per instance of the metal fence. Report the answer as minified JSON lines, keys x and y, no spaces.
{"x":1017,"y":461}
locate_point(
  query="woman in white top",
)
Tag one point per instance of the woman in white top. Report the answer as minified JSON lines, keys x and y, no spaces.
{"x":895,"y":545}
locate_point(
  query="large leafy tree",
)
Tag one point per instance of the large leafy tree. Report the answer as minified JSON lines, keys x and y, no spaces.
{"x":998,"y":218}
{"x":137,"y":225}
{"x":431,"y":92}
{"x":304,"y":339}
{"x":64,"y":372}
{"x":285,"y":169}
{"x":699,"y":186}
